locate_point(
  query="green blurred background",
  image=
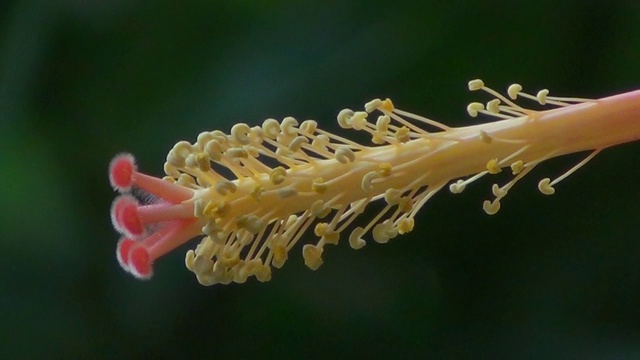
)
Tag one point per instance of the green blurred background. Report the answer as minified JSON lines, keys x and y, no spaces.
{"x":80,"y":81}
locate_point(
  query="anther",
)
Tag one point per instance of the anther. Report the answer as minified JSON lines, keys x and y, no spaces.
{"x":277,"y":175}
{"x":240,"y":132}
{"x":542,"y":96}
{"x":355,"y":239}
{"x":344,"y":118}
{"x":493,"y":106}
{"x":367,"y":179}
{"x":457,"y":187}
{"x":491,"y":207}
{"x":308,"y":127}
{"x":318,"y":185}
{"x":271,"y":128}
{"x":474,"y":108}
{"x":312,"y":255}
{"x":344,"y":155}
{"x":476,"y":84}
{"x":493,"y":167}
{"x":287,"y":192}
{"x":517,"y":167}
{"x":223,"y":187}
{"x":513,"y":91}
{"x":288,"y":126}
{"x":545,"y":187}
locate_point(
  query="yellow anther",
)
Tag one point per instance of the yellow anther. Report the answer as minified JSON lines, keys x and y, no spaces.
{"x":240,"y":274}
{"x":202,"y":161}
{"x":277,"y":175}
{"x":542,"y":96}
{"x":384,"y":169}
{"x":291,"y":221}
{"x":216,"y":209}
{"x":224,"y":187}
{"x":330,"y":237}
{"x":229,"y":258}
{"x":239,"y":133}
{"x":283,"y":151}
{"x":392,"y":196}
{"x":190,"y":260}
{"x":207,"y":248}
{"x":320,"y":142}
{"x":491,"y":207}
{"x":319,"y":186}
{"x":403,"y":134}
{"x":378,"y":138}
{"x":256,"y":193}
{"x":344,"y":118}
{"x":359,"y":120}
{"x":251,"y":223}
{"x":211,"y":229}
{"x":319,"y":210}
{"x":174,"y":159}
{"x":498,"y":191}
{"x":493,"y":167}
{"x":308,"y":127}
{"x":171,"y":170}
{"x":186,"y":180}
{"x":372,"y":105}
{"x":367,"y":179}
{"x":321,"y":229}
{"x":288,"y":126}
{"x":287,"y":192}
{"x":237,"y":153}
{"x":545,"y":187}
{"x":271,"y":128}
{"x":355,"y":239}
{"x":457,"y":187}
{"x":344,"y":155}
{"x":256,"y":135}
{"x":169,"y":179}
{"x":517,"y":167}
{"x":493,"y":106}
{"x":297,"y":143}
{"x":476,"y":84}
{"x":387,"y":104}
{"x":280,"y":255}
{"x":382,"y":124}
{"x":405,"y":225}
{"x":251,"y":267}
{"x":383,"y":232}
{"x":182,"y":149}
{"x":312,"y":255}
{"x":474,"y":108}
{"x":214,"y":149}
{"x":252,"y":151}
{"x":513,"y":91}
{"x":263,"y":273}
{"x":202,"y":265}
{"x":203,"y":138}
{"x":244,"y":236}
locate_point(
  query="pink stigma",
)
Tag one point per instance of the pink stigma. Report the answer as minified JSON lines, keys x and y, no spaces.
{"x":149,"y":230}
{"x":121,"y":171}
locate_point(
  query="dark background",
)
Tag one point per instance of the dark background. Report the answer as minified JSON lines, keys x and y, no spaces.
{"x":80,"y":81}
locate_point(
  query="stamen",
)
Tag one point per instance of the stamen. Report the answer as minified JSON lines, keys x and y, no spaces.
{"x":546,"y":186}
